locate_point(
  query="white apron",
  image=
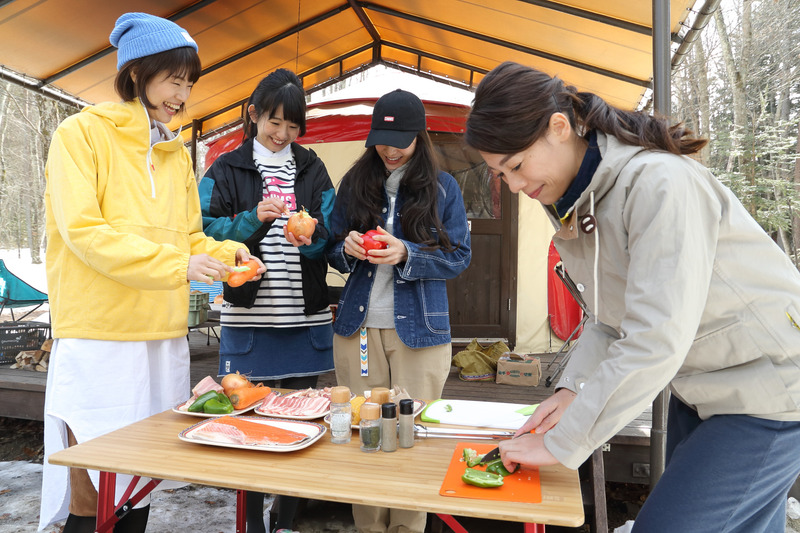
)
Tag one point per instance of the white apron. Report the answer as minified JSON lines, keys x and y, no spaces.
{"x":95,"y":387}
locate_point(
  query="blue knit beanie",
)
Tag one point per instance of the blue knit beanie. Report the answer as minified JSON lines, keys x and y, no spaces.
{"x":138,"y":35}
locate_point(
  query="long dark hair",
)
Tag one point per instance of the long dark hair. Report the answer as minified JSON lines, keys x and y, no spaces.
{"x":281,"y":87}
{"x":182,"y":62}
{"x":513,"y":105}
{"x":363,"y":185}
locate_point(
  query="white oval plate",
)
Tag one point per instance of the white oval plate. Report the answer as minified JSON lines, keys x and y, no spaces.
{"x":314,"y":431}
{"x":419,"y":405}
{"x":209,"y":415}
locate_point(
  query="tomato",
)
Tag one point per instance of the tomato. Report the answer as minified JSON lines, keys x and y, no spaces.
{"x":301,"y":224}
{"x":370,"y":243}
{"x":236,"y":279}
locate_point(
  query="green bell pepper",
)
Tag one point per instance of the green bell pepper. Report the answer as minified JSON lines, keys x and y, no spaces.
{"x":197,"y":406}
{"x":497,"y":467}
{"x":472,"y":457}
{"x":221,"y":405}
{"x":482,"y":479}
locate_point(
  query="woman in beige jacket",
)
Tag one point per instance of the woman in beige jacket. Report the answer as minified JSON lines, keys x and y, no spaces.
{"x":684,"y":290}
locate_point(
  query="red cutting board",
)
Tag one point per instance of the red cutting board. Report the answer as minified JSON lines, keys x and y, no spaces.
{"x":521,"y":486}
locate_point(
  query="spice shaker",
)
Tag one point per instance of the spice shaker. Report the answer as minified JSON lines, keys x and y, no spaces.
{"x":370,"y":427}
{"x":389,"y":426}
{"x":379,"y":395}
{"x":406,"y":426}
{"x":341,"y":416}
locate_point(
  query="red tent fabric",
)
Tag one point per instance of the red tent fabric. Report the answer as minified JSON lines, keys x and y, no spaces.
{"x":564,"y":312}
{"x":349,"y":120}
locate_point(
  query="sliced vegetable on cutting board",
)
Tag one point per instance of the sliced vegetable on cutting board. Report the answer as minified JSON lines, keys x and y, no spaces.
{"x":523,"y":485}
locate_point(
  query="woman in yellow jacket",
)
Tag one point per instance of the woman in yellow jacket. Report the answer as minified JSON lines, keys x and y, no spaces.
{"x":125,"y":237}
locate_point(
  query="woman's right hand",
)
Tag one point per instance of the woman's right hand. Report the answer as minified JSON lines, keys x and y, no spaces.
{"x":353,"y":245}
{"x":270,"y":208}
{"x":207,"y":269}
{"x":548,"y":413}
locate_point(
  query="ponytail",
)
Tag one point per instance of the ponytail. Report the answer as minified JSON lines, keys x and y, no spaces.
{"x":513,"y":105}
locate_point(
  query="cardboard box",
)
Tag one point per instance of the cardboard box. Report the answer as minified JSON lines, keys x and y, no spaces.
{"x":519,"y":369}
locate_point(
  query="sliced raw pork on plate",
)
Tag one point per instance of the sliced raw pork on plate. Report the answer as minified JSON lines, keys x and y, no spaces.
{"x":293,"y":405}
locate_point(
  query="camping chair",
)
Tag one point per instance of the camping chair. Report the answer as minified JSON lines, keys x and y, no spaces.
{"x":16,"y":293}
{"x":573,"y":290}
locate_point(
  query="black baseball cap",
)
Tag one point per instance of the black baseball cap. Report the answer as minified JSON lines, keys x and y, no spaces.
{"x":396,"y":119}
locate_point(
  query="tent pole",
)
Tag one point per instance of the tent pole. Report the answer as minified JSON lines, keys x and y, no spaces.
{"x":661,"y":101}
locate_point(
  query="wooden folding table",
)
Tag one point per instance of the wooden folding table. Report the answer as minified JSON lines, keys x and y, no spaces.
{"x":407,"y":479}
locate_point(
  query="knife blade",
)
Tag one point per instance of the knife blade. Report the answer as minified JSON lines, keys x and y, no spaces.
{"x":491,"y":455}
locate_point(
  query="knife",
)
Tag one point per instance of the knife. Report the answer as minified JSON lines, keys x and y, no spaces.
{"x":491,"y":455}
{"x":494,"y":453}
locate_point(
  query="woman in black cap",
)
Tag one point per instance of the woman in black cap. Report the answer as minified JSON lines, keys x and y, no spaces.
{"x":393,"y":310}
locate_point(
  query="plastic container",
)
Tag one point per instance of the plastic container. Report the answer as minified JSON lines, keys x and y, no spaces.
{"x":198,"y":308}
{"x":16,"y":337}
{"x":341,"y":415}
{"x":370,"y":427}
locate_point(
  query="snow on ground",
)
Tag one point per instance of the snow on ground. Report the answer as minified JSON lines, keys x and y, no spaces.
{"x":192,"y":508}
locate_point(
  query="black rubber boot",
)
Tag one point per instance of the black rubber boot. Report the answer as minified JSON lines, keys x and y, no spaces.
{"x":286,"y":509}
{"x":255,"y":512}
{"x":80,"y":524}
{"x":133,"y":522}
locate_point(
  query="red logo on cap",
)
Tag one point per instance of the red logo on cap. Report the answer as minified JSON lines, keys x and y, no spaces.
{"x":388,"y":119}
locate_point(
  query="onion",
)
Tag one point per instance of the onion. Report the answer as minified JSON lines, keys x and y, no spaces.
{"x":232,"y":382}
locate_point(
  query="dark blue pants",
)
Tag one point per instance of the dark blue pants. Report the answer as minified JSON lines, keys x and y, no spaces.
{"x":730,"y":473}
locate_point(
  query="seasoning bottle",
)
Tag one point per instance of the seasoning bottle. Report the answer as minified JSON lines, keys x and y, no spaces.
{"x":406,"y":425}
{"x":379,"y":395}
{"x":340,"y":415}
{"x":370,"y":427}
{"x":389,"y":426}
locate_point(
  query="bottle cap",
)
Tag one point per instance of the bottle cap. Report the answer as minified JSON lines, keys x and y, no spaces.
{"x":407,"y":406}
{"x":389,"y":410}
{"x":379,"y":395}
{"x":340,"y":394}
{"x":370,"y":411}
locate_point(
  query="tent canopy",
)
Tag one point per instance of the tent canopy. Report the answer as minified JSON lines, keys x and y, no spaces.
{"x":60,"y":46}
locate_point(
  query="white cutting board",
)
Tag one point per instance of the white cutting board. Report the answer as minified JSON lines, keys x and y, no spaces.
{"x":475,"y":413}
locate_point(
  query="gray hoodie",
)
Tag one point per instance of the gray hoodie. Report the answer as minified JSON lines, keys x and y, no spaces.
{"x":684,"y":289}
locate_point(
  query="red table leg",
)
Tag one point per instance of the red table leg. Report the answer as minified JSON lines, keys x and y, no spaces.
{"x":452,"y":523}
{"x":241,"y":511}
{"x":105,"y":499}
{"x":534,"y":528}
{"x":107,"y":513}
{"x":458,"y":528}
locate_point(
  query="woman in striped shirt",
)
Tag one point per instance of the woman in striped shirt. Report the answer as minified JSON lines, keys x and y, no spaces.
{"x":279,"y":330}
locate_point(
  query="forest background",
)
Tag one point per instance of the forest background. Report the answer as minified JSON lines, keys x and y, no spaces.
{"x":739,"y":86}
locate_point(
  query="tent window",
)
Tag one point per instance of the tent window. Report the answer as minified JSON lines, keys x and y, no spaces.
{"x":481,"y":191}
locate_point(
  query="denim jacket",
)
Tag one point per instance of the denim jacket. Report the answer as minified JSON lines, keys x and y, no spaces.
{"x":422,"y":318}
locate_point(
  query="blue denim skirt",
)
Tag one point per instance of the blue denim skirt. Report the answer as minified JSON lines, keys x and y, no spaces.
{"x":276,"y":353}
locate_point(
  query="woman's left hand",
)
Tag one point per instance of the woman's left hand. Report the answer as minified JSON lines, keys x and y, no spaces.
{"x":243,"y":256}
{"x":394,"y":253}
{"x":298,"y":240}
{"x":526,"y":450}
